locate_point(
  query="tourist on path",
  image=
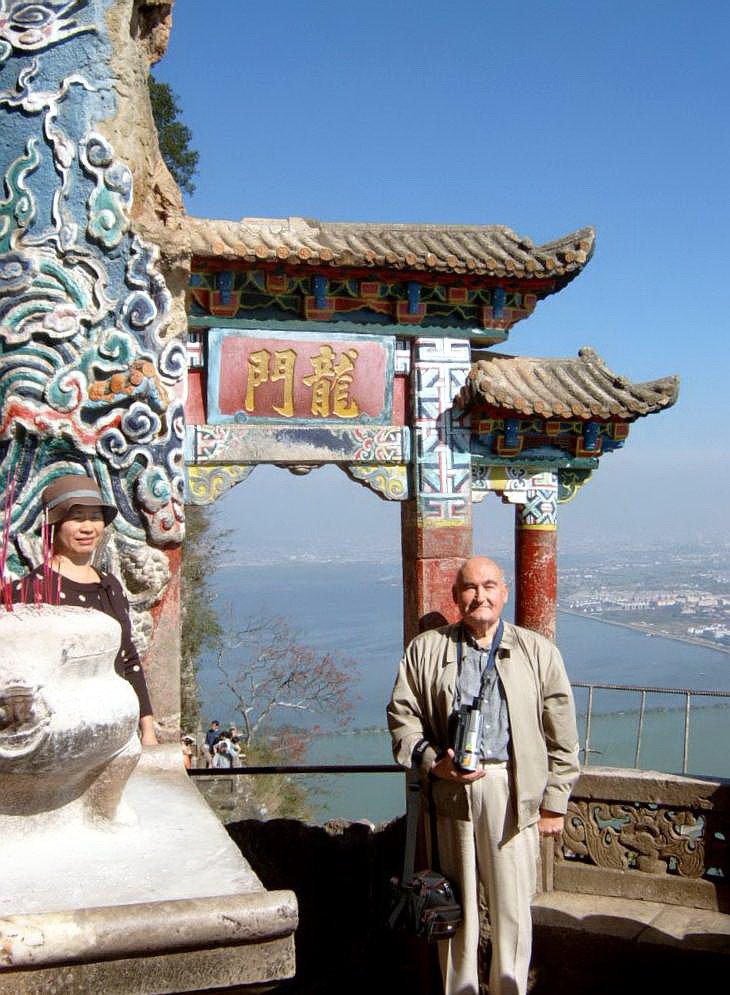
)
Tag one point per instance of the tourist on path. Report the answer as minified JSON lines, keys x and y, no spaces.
{"x":488,"y":820}
{"x":74,"y":508}
{"x":212,"y":734}
{"x":221,"y":757}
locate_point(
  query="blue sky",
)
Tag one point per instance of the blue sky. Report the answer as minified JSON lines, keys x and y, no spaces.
{"x":543,"y":116}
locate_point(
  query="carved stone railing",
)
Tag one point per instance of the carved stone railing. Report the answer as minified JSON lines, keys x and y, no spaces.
{"x":646,"y":835}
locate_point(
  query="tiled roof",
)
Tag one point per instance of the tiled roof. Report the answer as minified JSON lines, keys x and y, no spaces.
{"x":486,"y":250}
{"x":564,"y":388}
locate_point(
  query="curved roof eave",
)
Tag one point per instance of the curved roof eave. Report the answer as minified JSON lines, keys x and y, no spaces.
{"x":493,"y":251}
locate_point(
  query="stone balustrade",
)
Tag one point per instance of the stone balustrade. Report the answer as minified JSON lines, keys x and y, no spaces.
{"x":646,"y":835}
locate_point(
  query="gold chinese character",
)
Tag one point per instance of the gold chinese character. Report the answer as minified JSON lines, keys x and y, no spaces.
{"x":331,"y":383}
{"x":262,"y":368}
{"x":283,"y":369}
{"x":258,"y":373}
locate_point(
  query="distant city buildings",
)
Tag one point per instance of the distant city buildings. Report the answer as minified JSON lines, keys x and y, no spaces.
{"x":685,"y":594}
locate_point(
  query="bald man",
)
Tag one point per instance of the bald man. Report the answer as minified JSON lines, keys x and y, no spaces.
{"x":489,"y":819}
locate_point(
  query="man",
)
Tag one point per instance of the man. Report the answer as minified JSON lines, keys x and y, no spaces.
{"x":488,"y":819}
{"x":211,"y":738}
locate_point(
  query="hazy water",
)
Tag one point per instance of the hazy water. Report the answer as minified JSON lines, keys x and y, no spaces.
{"x":354,"y":609}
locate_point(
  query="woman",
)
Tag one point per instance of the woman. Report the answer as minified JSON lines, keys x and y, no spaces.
{"x":72,"y":504}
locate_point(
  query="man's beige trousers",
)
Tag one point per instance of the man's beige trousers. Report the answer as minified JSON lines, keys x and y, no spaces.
{"x":489,"y":849}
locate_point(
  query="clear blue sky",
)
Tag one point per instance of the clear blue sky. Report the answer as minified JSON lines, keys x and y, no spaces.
{"x":543,"y":116}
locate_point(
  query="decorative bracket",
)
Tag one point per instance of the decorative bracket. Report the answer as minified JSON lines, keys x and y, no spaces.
{"x":389,"y":482}
{"x":570,"y":482}
{"x":534,"y":492}
{"x":205,"y":484}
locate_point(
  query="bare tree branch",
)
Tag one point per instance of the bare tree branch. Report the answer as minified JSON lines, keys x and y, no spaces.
{"x":274,"y":672}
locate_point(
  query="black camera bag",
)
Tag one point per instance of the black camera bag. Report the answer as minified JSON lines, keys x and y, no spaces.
{"x":422,"y":904}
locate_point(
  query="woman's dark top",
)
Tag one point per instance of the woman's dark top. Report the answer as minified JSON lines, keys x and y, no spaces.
{"x":105,"y":595}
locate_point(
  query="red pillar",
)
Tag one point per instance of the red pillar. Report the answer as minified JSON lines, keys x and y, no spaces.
{"x":432,"y":554}
{"x":536,"y":576}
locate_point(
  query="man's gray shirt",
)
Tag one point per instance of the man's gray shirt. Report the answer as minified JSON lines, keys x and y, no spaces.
{"x":471,"y":678}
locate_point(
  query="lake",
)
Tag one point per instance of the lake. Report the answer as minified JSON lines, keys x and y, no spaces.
{"x":354,"y":610}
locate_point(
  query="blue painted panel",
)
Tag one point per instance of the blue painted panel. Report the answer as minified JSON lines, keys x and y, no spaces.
{"x":512,"y":433}
{"x":590,"y":435}
{"x":224,"y":286}
{"x":414,"y":296}
{"x":319,"y":289}
{"x":499,"y":297}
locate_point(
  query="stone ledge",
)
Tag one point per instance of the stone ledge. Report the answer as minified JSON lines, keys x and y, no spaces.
{"x":654,"y":787}
{"x":665,"y":889}
{"x":240,"y":968}
{"x":145,"y":928}
{"x":642,"y":923}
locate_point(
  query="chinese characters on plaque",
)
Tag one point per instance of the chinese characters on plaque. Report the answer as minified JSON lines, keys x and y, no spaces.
{"x":259,"y":376}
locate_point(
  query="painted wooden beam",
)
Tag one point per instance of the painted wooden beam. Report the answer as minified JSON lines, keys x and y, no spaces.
{"x":296,"y":444}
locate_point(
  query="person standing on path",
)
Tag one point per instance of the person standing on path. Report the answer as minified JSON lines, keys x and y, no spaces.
{"x":489,"y":819}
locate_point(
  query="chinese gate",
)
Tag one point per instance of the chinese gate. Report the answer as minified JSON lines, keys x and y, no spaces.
{"x":372,"y":350}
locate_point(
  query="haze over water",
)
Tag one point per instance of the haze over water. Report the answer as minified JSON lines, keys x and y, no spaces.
{"x":353,"y":609}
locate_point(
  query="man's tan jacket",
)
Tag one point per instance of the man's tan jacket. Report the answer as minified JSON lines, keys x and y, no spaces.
{"x":544,"y":739}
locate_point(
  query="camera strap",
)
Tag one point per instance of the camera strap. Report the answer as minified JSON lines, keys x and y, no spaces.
{"x":413,"y":793}
{"x":413,"y":804}
{"x":491,"y":657}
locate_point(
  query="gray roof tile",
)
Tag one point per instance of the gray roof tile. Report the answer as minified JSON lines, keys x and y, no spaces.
{"x":583,"y":388}
{"x":481,"y":250}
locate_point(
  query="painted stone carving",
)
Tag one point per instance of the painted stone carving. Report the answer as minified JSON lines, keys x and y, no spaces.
{"x":388,"y":482}
{"x":88,"y":377}
{"x":653,"y":839}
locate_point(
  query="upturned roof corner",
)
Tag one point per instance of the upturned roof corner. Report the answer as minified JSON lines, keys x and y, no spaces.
{"x":584,"y":388}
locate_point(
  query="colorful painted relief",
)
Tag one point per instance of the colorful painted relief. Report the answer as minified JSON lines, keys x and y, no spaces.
{"x":388,"y":482}
{"x":441,"y":434}
{"x":87,"y":378}
{"x":570,"y":482}
{"x":506,"y":479}
{"x":534,"y":492}
{"x":524,"y":437}
{"x":264,"y":376}
{"x":285,"y":295}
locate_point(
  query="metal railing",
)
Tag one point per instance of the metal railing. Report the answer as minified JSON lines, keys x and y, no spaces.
{"x":298,"y":769}
{"x":586,"y":750}
{"x":688,"y":693}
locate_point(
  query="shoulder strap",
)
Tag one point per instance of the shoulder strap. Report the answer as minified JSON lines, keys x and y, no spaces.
{"x":413,"y":796}
{"x":435,"y":860}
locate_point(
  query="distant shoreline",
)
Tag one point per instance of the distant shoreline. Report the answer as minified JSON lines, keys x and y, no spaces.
{"x":641,"y":627}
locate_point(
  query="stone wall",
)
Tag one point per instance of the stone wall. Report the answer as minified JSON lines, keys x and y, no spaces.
{"x":340,"y":874}
{"x":606,"y":925}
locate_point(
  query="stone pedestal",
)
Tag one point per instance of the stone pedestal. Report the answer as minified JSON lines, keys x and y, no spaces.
{"x":112,"y":882}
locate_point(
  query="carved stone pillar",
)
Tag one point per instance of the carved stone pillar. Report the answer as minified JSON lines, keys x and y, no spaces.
{"x":436,"y":523}
{"x":536,"y":568}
